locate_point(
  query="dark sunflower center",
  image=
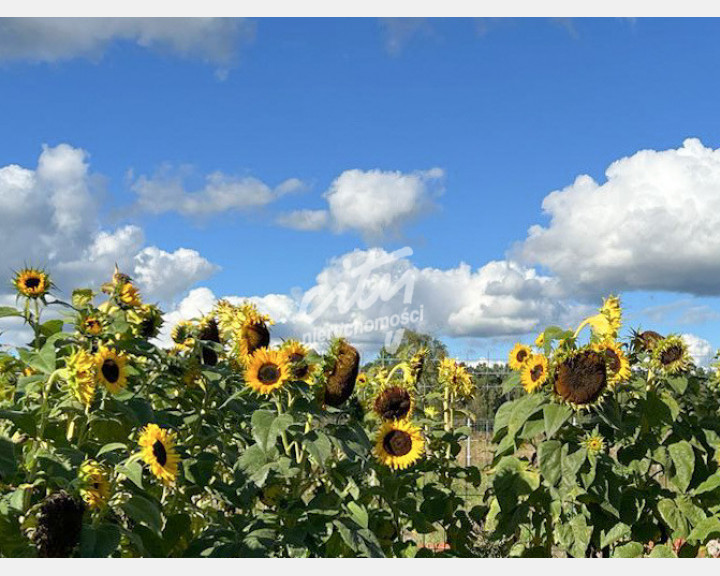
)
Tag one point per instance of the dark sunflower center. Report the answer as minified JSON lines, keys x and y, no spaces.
{"x":582,"y":378}
{"x":269,"y":373}
{"x":32,"y":282}
{"x":397,"y":443}
{"x":613,"y":361}
{"x":159,"y":452}
{"x":96,"y":485}
{"x":256,"y":336}
{"x":393,"y":404}
{"x":521,"y":355}
{"x":110,"y":370}
{"x":672,"y":354}
{"x":536,"y":373}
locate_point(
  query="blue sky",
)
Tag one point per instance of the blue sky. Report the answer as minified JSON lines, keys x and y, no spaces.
{"x":508,"y":110}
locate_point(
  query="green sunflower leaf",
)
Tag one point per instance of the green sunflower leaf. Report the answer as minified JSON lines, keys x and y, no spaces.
{"x":683,"y":458}
{"x":554,"y":416}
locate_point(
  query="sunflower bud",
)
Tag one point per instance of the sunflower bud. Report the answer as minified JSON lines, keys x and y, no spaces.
{"x":59,"y":524}
{"x":340,"y":381}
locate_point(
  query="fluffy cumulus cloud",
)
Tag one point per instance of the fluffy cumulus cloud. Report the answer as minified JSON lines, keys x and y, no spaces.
{"x":369,"y":295}
{"x":215,"y":40}
{"x":374,"y":203}
{"x":654,"y":224}
{"x":700,"y":349}
{"x":49,"y":217}
{"x":166,"y":191}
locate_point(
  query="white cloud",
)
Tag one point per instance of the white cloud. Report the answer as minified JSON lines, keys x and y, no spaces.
{"x":49,"y":217}
{"x":214,"y":40}
{"x":166,"y":192}
{"x":700,"y":349}
{"x":374,"y":203}
{"x":499,"y":299}
{"x":654,"y":224}
{"x":398,"y":32}
{"x":308,"y":220}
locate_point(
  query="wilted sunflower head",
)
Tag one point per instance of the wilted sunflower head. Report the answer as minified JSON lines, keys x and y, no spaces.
{"x":671,"y":355}
{"x":111,"y":369}
{"x":146,"y":321}
{"x":266,"y":370}
{"x":58,"y":525}
{"x":617,"y":364}
{"x":341,"y":373}
{"x":417,"y":364}
{"x":32,"y":283}
{"x":518,"y":356}
{"x":399,"y":444}
{"x":95,"y":487}
{"x":581,"y":377}
{"x":393,"y":403}
{"x":158,"y":451}
{"x":82,"y":375}
{"x":300,"y":366}
{"x":644,"y":341}
{"x":534,"y":372}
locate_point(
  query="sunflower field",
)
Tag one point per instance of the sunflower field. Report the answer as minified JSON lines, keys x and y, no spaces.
{"x":219,"y":445}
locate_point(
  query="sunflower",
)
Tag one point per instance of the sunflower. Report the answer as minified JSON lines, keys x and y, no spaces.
{"x":540,"y":340}
{"x":394,"y":403}
{"x":341,"y":373}
{"x":297,"y":355}
{"x":399,"y":444}
{"x":645,"y":341}
{"x":361,"y":380}
{"x":59,"y":524}
{"x":613,"y":312}
{"x":95,"y":487}
{"x":456,"y":377}
{"x":146,"y":321}
{"x":158,"y":452}
{"x":581,"y":377}
{"x":182,"y":334}
{"x":618,"y":366}
{"x":209,"y":332}
{"x":534,"y":372}
{"x":32,"y":283}
{"x":416,"y":364}
{"x":129,"y":295}
{"x":249,"y":328}
{"x":267,"y":370}
{"x":82,"y":375}
{"x":91,"y":326}
{"x":593,"y":443}
{"x":671,"y":355}
{"x":518,"y":356}
{"x":111,"y":369}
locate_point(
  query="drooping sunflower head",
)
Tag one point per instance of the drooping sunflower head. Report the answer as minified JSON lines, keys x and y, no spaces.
{"x":534,"y":372}
{"x":671,"y":355}
{"x":341,"y":373}
{"x":159,"y":453}
{"x":617,"y":364}
{"x":146,"y":321}
{"x":300,"y":366}
{"x":518,"y":356}
{"x":82,"y":375}
{"x":59,"y":524}
{"x":594,"y":443}
{"x":95,"y":487}
{"x":32,"y":283}
{"x":183,"y":334}
{"x":209,"y":332}
{"x":111,"y":369}
{"x":644,"y":341}
{"x":394,"y":403}
{"x":267,"y":370}
{"x":399,"y":444}
{"x":91,"y":326}
{"x":581,"y":378}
